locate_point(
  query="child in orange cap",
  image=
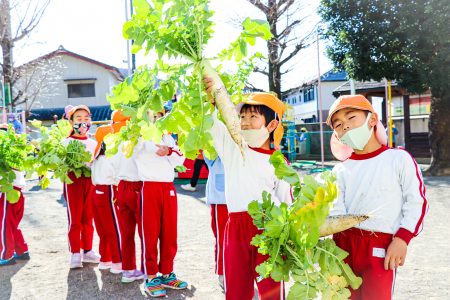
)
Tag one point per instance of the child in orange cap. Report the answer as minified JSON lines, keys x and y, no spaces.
{"x":128,"y":198}
{"x":245,"y":181}
{"x":106,"y":215}
{"x":79,"y":194}
{"x":385,"y":184}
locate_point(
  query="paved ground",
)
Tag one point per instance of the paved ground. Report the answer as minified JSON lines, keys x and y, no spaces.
{"x":47,"y":275}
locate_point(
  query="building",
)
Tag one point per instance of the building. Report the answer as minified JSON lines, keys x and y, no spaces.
{"x":304,"y":99}
{"x":70,"y":78}
{"x":410,"y":112}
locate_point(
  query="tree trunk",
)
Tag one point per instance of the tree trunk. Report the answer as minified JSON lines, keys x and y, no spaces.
{"x":274,"y":70}
{"x":438,"y":126}
{"x":273,"y":48}
{"x":6,"y":44}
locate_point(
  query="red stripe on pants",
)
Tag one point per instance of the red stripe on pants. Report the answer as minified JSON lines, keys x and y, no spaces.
{"x":159,"y":222}
{"x":241,"y":259}
{"x":11,"y":238}
{"x":128,"y":197}
{"x":219,"y":218}
{"x":360,"y":244}
{"x":106,"y":223}
{"x":79,"y":197}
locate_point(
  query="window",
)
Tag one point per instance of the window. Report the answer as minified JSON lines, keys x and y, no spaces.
{"x":308,"y":95}
{"x":79,"y":90}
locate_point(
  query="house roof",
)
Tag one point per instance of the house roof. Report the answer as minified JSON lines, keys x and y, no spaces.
{"x":362,"y":87}
{"x":62,"y":51}
{"x":99,"y":113}
{"x":326,"y":77}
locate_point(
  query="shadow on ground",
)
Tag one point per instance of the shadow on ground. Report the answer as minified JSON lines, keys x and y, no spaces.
{"x":6,"y":274}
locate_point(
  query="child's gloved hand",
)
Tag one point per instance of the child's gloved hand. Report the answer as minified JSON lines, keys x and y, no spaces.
{"x":396,"y":254}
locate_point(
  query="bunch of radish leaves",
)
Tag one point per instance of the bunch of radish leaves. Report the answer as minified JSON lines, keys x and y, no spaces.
{"x":177,"y":31}
{"x":53,"y":157}
{"x":291,"y":238}
{"x":14,"y":152}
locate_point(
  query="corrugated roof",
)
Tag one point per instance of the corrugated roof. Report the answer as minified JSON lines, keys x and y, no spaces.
{"x":99,"y":113}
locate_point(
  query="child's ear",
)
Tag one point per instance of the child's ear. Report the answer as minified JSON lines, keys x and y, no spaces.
{"x":272,"y":125}
{"x":373,"y":120}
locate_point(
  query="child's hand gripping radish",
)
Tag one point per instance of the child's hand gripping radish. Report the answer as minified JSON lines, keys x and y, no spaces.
{"x":220,"y":98}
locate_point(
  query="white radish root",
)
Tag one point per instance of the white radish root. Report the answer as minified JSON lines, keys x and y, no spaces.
{"x":335,"y":224}
{"x":224,"y":104}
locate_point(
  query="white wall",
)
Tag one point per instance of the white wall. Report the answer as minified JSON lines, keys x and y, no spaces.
{"x":304,"y":110}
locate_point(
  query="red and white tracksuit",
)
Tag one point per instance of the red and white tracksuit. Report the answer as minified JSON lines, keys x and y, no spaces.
{"x":387,"y":185}
{"x":245,"y":180}
{"x":11,"y":237}
{"x":219,"y":218}
{"x":79,"y":196}
{"x":158,"y":220}
{"x":128,"y":197}
{"x":106,"y":215}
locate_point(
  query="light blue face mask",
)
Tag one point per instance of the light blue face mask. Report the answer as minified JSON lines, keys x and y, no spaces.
{"x":358,"y":138}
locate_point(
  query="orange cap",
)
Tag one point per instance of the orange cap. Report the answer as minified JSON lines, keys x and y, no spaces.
{"x":272,"y":102}
{"x":350,"y":101}
{"x":118,"y":116}
{"x":100,"y":134}
{"x":339,"y":150}
{"x":77,"y":108}
{"x":116,"y":126}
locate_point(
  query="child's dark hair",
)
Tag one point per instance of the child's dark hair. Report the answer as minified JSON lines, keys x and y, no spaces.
{"x":268,"y":114}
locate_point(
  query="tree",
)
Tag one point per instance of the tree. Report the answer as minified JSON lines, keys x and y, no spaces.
{"x":37,"y":79}
{"x":284,"y":17}
{"x":29,"y":14}
{"x":403,"y":40}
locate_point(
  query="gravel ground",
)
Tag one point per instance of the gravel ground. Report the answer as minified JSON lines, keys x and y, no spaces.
{"x":426,"y":274}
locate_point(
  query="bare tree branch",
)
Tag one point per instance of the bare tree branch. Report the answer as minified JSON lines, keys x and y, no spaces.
{"x":262,"y":71}
{"x":24,"y":30}
{"x":297,"y":48}
{"x":259,"y":5}
{"x":288,"y":29}
{"x":287,"y":3}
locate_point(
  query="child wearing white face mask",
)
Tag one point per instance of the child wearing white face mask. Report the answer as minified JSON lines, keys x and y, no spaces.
{"x":381,"y":182}
{"x":245,"y":181}
{"x":79,"y":194}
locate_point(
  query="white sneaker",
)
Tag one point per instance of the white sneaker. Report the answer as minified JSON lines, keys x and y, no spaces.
{"x":116,"y":268}
{"x":188,"y":187}
{"x":104,"y":265}
{"x":91,"y":257}
{"x":75,"y":261}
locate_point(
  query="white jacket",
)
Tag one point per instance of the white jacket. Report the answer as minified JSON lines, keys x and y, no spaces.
{"x":245,"y":180}
{"x":386,"y":185}
{"x":152,"y":167}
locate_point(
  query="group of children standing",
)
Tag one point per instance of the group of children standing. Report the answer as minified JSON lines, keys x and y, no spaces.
{"x":139,"y":191}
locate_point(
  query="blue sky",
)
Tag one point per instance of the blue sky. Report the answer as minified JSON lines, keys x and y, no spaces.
{"x":93,"y":28}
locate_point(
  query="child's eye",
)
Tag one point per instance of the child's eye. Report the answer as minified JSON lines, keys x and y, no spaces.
{"x":351,"y":117}
{"x":336,"y":126}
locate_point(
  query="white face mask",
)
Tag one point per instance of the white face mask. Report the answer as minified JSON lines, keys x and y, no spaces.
{"x":358,"y":138}
{"x":255,"y":138}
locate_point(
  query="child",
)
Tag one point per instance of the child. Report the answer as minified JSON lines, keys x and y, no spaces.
{"x":155,"y":164}
{"x":79,"y":194}
{"x":215,"y":197}
{"x":245,"y":181}
{"x":104,"y":206}
{"x":128,"y":196}
{"x":198,"y":164}
{"x":12,"y":244}
{"x":385,"y":184}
